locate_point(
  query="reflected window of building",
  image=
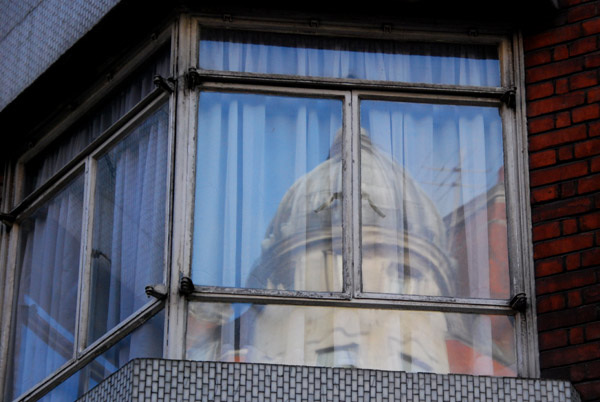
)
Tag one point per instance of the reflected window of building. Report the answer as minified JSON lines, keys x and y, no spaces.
{"x":367,"y":227}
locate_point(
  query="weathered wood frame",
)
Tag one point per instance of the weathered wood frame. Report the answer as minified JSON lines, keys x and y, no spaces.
{"x":21,"y":206}
{"x":184,"y":36}
{"x":515,"y":155}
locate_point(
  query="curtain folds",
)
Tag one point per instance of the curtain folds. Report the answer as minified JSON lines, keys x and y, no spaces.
{"x":452,"y":158}
{"x":270,"y":53}
{"x":48,"y":283}
{"x":251,"y":150}
{"x":127,"y":255}
{"x":129,"y":224}
{"x":136,"y":88}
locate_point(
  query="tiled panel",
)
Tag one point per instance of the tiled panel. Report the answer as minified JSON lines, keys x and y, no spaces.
{"x":172,"y":380}
{"x":34,"y":34}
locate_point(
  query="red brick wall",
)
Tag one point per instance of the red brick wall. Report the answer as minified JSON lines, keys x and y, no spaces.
{"x":563,"y":109}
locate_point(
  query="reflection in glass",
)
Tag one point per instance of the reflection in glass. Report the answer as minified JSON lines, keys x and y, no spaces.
{"x":416,"y":341}
{"x":145,"y":341}
{"x":47,"y":295}
{"x":259,"y":222}
{"x":433,"y":204}
{"x":129,"y":223}
{"x":271,"y":53}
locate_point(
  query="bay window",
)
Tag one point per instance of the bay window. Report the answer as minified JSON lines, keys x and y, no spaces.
{"x":337,"y":196}
{"x":91,"y":226}
{"x":350,"y":202}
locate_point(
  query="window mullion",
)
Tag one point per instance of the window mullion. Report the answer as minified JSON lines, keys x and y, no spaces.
{"x":184,"y":108}
{"x":354,"y":163}
{"x":347,"y":207}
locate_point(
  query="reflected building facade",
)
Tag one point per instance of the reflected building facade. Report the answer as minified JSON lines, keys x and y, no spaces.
{"x":302,"y":250}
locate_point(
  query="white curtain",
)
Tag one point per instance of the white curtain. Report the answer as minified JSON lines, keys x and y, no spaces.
{"x":449,"y":158}
{"x":270,"y":53}
{"x":138,"y":86}
{"x":454,"y":155}
{"x":129,"y":225}
{"x":251,"y":150}
{"x":47,"y":293}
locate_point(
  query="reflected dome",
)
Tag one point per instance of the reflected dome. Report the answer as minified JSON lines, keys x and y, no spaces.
{"x":302,"y":248}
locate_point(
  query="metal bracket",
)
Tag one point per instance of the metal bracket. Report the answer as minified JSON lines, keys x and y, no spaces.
{"x":157,"y":291}
{"x":7,"y":219}
{"x":192,"y":78}
{"x":166,"y":84}
{"x":519,"y":302}
{"x":510,"y":97}
{"x":186,"y":286}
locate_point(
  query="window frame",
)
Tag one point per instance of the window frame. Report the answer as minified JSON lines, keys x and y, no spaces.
{"x":22,"y":205}
{"x":184,"y":35}
{"x":515,"y":164}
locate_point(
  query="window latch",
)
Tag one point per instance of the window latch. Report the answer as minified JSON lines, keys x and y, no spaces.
{"x":159,"y":292}
{"x":192,"y":78}
{"x":519,"y":302}
{"x":186,"y":286}
{"x":166,"y":84}
{"x":7,"y":219}
{"x":509,"y":97}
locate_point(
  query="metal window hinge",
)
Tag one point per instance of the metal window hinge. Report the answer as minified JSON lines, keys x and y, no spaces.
{"x":7,"y":219}
{"x":519,"y":302}
{"x":157,"y":291}
{"x":192,"y":78}
{"x":166,"y":84}
{"x":509,"y":97}
{"x":186,"y":286}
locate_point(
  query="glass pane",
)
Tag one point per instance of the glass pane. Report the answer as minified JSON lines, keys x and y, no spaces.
{"x":123,"y":99}
{"x":352,"y":337}
{"x":129,"y":223}
{"x":433,"y":202}
{"x":314,"y":56}
{"x":145,"y":341}
{"x":268,"y":192}
{"x":43,"y":334}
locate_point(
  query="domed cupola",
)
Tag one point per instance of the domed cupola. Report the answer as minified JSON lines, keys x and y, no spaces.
{"x":303,"y":243}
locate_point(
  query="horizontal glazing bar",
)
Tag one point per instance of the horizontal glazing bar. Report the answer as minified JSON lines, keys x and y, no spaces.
{"x":426,"y":303}
{"x":333,"y":83}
